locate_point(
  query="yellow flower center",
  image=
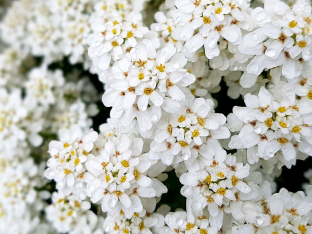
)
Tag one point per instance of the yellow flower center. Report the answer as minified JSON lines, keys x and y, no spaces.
{"x":125,"y":163}
{"x":161,"y":68}
{"x":136,"y":174}
{"x":296,"y":129}
{"x":181,"y":119}
{"x":282,"y":140}
{"x":283,"y":124}
{"x":208,"y":179}
{"x":107,"y":178}
{"x":115,"y":22}
{"x":220,"y":174}
{"x":218,"y":10}
{"x":234,"y":180}
{"x":67,"y":172}
{"x":77,"y":161}
{"x":141,"y":226}
{"x":183,"y":144}
{"x":70,"y":213}
{"x":130,"y":34}
{"x":282,"y":109}
{"x":169,"y":29}
{"x":141,"y":76}
{"x":114,"y":31}
{"x":148,"y":91}
{"x":126,"y":231}
{"x":195,"y":133}
{"x":206,"y":20}
{"x":302,"y":229}
{"x":221,"y":191}
{"x":201,"y":121}
{"x":169,"y":129}
{"x":309,"y":95}
{"x":66,"y":145}
{"x":210,"y":199}
{"x":189,"y":226}
{"x":293,"y":24}
{"x":115,"y":44}
{"x":104,"y":164}
{"x":123,"y":179}
{"x":203,"y":231}
{"x":118,"y":193}
{"x":268,"y":122}
{"x":302,"y":44}
{"x":116,"y":227}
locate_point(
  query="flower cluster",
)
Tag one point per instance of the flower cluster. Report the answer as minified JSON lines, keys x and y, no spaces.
{"x":162,"y":76}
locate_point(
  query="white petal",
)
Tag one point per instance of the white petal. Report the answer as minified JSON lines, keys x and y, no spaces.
{"x":189,"y":179}
{"x":125,"y":200}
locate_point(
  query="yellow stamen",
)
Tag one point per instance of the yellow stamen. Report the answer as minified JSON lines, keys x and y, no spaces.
{"x":183,"y":144}
{"x":161,"y":68}
{"x":302,"y":44}
{"x":136,"y":174}
{"x":148,"y":91}
{"x":125,"y":163}
{"x":208,"y":179}
{"x":234,"y":180}
{"x":282,"y":140}
{"x":282,"y":109}
{"x":296,"y":129}
{"x":189,"y":226}
{"x":206,"y":20}
{"x":141,"y":226}
{"x":141,"y":76}
{"x":293,"y":24}
{"x":195,"y":133}
{"x":221,"y":191}
{"x":283,"y":124}
{"x":218,"y":10}
{"x":201,"y":121}
{"x":115,"y":44}
{"x":302,"y":229}
{"x":130,"y":34}
{"x":67,"y":172}
{"x":123,"y":179}
{"x":268,"y":122}
{"x":181,"y":119}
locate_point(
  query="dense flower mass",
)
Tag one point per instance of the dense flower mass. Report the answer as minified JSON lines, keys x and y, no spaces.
{"x":110,"y":116}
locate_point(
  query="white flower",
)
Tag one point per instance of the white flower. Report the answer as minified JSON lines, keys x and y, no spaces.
{"x":119,"y":177}
{"x":68,"y":156}
{"x":70,"y":215}
{"x":219,"y":182}
{"x":40,"y":86}
{"x":183,"y":222}
{"x":283,"y":39}
{"x":142,"y":222}
{"x":272,"y":126}
{"x":145,"y":76}
{"x":182,"y":137}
